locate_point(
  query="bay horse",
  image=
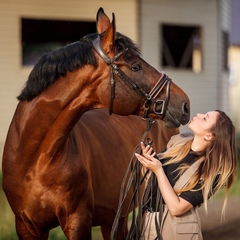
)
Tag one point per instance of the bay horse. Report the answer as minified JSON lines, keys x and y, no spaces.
{"x":61,"y":168}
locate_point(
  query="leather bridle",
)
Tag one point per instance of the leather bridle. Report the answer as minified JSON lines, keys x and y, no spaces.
{"x":159,"y":107}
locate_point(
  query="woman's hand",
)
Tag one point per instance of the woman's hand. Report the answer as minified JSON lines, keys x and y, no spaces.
{"x":148,"y":160}
{"x":176,"y":205}
{"x":147,"y":151}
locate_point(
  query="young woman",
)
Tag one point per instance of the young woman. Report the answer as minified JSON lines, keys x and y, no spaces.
{"x":213,"y":141}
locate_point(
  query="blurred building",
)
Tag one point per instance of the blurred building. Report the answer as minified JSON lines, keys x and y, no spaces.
{"x":234,"y":63}
{"x":188,"y":39}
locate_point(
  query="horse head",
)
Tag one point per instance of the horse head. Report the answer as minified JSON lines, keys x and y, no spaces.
{"x":133,"y":86}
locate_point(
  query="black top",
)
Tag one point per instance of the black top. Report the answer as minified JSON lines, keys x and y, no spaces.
{"x":194,"y":196}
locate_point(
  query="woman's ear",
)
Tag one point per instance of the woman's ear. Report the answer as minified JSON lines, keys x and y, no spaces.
{"x":209,"y":137}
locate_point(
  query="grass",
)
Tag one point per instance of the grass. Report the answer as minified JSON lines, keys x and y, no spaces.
{"x":7,"y":228}
{"x":235,"y":189}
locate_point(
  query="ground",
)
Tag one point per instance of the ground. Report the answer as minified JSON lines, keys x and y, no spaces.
{"x":212,"y":227}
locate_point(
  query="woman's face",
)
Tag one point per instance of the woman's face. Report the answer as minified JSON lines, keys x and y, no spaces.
{"x":201,"y":124}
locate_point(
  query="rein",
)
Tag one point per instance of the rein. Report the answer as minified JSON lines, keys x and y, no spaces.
{"x":132,"y":181}
{"x":149,"y":97}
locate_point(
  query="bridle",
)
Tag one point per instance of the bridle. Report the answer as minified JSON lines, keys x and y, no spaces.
{"x":149,"y":97}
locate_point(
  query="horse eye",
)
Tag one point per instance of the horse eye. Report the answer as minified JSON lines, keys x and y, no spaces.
{"x":136,"y":68}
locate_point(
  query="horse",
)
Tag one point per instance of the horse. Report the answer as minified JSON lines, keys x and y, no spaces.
{"x":62,"y":163}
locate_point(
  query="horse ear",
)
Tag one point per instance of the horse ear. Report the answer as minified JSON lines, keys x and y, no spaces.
{"x":104,"y":25}
{"x":103,"y":21}
{"x":108,"y":39}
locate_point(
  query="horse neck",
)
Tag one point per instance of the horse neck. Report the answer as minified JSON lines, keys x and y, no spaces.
{"x":50,"y":117}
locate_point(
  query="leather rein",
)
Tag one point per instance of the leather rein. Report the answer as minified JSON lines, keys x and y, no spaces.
{"x":159,"y":106}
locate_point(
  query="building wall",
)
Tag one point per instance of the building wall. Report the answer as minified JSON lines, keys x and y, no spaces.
{"x":208,"y":89}
{"x":12,"y":74}
{"x":234,"y":63}
{"x":235,"y":20}
{"x":224,"y":21}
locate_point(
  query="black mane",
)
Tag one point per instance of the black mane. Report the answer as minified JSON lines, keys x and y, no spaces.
{"x":57,"y":63}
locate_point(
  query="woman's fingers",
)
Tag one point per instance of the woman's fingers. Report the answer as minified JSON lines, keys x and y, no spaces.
{"x":144,"y":160}
{"x":151,"y":155}
{"x":141,"y":159}
{"x":149,"y":162}
{"x":147,"y":151}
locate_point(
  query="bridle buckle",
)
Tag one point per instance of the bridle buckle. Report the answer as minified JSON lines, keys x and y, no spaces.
{"x":155,"y":108}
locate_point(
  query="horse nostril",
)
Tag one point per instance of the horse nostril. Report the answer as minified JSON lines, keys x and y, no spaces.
{"x":185,"y":108}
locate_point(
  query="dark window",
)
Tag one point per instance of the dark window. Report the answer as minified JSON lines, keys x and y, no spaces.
{"x":42,"y":36}
{"x":181,"y":47}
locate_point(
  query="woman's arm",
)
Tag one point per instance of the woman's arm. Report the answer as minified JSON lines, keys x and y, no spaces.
{"x":176,"y":205}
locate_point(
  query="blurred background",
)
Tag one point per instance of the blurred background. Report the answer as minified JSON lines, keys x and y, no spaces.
{"x":196,"y":42}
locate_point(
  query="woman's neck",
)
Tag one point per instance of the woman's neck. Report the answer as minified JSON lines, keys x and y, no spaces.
{"x":199,"y":144}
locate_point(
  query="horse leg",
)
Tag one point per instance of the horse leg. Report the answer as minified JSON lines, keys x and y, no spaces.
{"x":121,"y":232}
{"x":77,"y":225}
{"x":27,"y":230}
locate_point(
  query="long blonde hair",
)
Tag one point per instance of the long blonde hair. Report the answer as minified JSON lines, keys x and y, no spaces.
{"x":220,"y":159}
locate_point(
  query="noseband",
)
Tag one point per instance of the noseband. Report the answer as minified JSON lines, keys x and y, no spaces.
{"x":159,"y":106}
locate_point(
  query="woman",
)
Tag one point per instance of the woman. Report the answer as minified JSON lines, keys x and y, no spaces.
{"x":213,"y":142}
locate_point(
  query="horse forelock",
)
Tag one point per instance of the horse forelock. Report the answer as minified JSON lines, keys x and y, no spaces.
{"x":122,"y":42}
{"x":57,"y":63}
